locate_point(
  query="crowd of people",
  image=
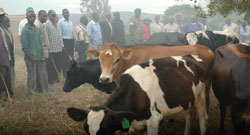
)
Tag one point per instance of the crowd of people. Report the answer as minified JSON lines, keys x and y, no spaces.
{"x":49,"y":43}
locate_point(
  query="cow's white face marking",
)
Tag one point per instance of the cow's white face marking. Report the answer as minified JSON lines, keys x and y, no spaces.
{"x":108,"y":52}
{"x":197,"y":58}
{"x":180,"y":58}
{"x":94,"y":121}
{"x":192,"y":38}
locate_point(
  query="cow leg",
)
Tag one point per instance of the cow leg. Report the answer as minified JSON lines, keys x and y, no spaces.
{"x":202,"y":113}
{"x":153,"y":123}
{"x":188,"y":124}
{"x":222,"y":118}
{"x":238,"y":124}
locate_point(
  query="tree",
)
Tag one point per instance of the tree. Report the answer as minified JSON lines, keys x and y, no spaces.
{"x":90,"y":6}
{"x":184,"y":10}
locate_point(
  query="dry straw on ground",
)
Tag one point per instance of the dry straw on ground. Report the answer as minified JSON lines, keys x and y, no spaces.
{"x":46,"y":114}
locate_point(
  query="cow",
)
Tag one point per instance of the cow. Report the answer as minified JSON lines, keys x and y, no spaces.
{"x":168,"y":87}
{"x":167,"y":38}
{"x":86,"y":72}
{"x":231,"y":85}
{"x":212,"y":39}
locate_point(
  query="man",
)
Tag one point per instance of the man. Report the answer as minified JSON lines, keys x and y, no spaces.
{"x":107,"y":30}
{"x":245,"y":32}
{"x":34,"y":55}
{"x":67,"y":33}
{"x":95,"y":34}
{"x":118,"y":30}
{"x":42,"y":18}
{"x":171,"y":26}
{"x":6,"y":57}
{"x":57,"y":58}
{"x":6,"y":24}
{"x":193,"y":26}
{"x":82,"y":38}
{"x":230,"y":26}
{"x":135,"y":27}
{"x":156,"y":27}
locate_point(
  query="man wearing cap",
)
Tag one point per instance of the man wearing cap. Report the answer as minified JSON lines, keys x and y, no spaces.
{"x":6,"y":57}
{"x":34,"y":55}
{"x":135,"y":27}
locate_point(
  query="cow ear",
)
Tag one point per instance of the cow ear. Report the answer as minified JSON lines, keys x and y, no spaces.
{"x":127,"y":54}
{"x":73,"y":63}
{"x":77,"y":114}
{"x":90,"y":53}
{"x":124,"y":118}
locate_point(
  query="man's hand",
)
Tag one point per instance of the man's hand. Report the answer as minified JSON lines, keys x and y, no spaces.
{"x":33,"y":60}
{"x":42,"y":59}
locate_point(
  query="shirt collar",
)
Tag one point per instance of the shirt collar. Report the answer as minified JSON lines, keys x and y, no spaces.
{"x":93,"y":21}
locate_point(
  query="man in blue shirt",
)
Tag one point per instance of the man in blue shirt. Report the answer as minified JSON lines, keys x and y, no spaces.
{"x":192,"y":26}
{"x":66,"y":30}
{"x":95,"y":34}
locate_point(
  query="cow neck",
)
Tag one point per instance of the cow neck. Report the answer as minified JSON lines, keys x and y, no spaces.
{"x":239,"y":50}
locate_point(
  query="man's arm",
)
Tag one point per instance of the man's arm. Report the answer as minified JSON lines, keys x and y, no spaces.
{"x":60,"y":27}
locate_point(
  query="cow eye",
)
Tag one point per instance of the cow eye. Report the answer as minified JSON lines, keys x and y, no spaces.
{"x":117,"y":60}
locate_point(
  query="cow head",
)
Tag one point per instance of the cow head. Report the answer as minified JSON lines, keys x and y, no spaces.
{"x":101,"y":120}
{"x":191,"y":38}
{"x":111,"y":58}
{"x":72,"y":78}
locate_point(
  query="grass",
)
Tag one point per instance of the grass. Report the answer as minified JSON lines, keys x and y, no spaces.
{"x":46,"y":114}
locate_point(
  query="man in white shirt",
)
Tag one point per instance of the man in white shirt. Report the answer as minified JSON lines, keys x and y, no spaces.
{"x":230,"y":26}
{"x":20,"y":27}
{"x":171,"y":26}
{"x":156,"y":27}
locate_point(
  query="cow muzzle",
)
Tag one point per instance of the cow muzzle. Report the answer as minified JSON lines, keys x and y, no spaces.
{"x":105,"y":80}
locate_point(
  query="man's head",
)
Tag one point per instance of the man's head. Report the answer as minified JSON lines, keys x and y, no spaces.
{"x":2,"y":15}
{"x":108,"y":16}
{"x":228,"y":21}
{"x":42,"y":16}
{"x":30,"y":15}
{"x":6,"y":22}
{"x":116,"y":16}
{"x":84,"y":19}
{"x":65,"y":13}
{"x":193,"y":19}
{"x":171,"y":19}
{"x":52,"y":15}
{"x":137,"y":12}
{"x":95,"y":16}
{"x":157,"y":18}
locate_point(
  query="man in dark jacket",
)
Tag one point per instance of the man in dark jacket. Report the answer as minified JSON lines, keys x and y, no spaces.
{"x":106,"y":28}
{"x":6,"y":56}
{"x":118,"y":30}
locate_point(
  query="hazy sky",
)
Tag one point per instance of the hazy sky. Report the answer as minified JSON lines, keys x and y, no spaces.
{"x":148,"y":6}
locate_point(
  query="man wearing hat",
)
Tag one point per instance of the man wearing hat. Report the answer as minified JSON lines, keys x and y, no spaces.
{"x":6,"y":56}
{"x":135,"y":27}
{"x":34,"y":54}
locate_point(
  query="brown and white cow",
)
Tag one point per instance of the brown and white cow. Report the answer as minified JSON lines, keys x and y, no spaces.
{"x":231,"y":85}
{"x":161,"y":88}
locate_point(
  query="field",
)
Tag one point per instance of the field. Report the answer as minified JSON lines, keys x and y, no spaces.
{"x":46,"y":114}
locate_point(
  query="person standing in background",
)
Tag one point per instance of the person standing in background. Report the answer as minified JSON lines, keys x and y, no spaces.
{"x":34,"y":55}
{"x":42,"y":18}
{"x":135,"y":27}
{"x":107,"y":29}
{"x":6,"y":24}
{"x":6,"y":57}
{"x":171,"y":26}
{"x":230,"y":26}
{"x":245,"y":33}
{"x":67,"y":33}
{"x":156,"y":27}
{"x":95,"y":34}
{"x":82,"y":38}
{"x":118,"y":30}
{"x":146,"y":29}
{"x":56,"y":61}
{"x":193,"y":26}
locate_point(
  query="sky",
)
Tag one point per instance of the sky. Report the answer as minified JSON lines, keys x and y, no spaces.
{"x":14,"y":7}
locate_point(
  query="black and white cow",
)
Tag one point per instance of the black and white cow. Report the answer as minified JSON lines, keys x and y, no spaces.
{"x":212,"y":39}
{"x":168,"y":38}
{"x":167,"y":87}
{"x":86,"y":72}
